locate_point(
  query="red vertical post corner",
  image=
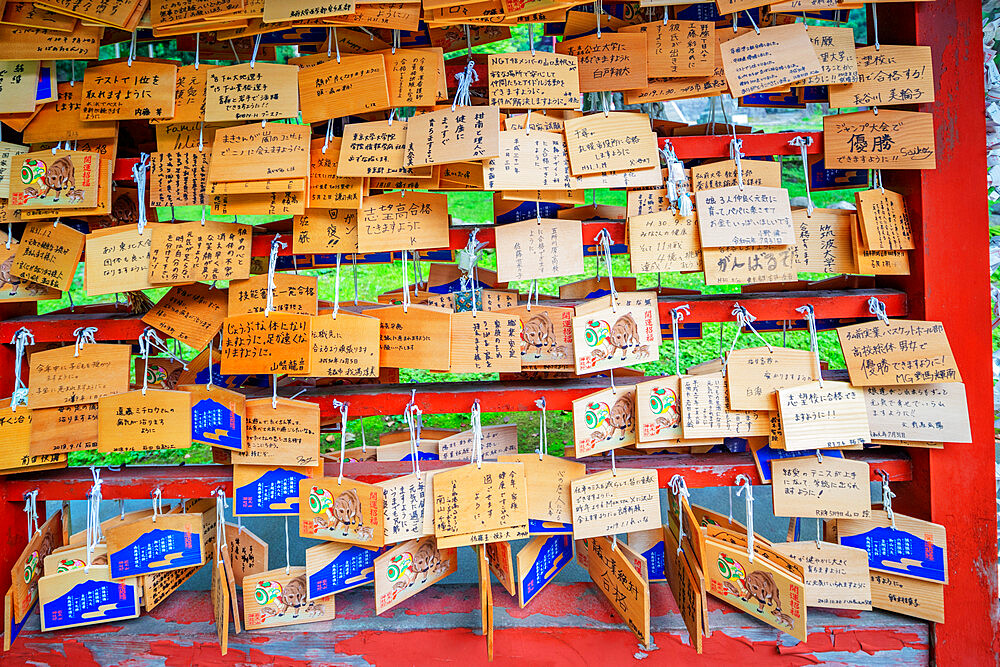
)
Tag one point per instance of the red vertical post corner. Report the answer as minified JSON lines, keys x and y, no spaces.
{"x":949,"y":282}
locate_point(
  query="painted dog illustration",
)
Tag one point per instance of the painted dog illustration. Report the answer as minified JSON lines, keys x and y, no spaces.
{"x":622,"y":415}
{"x":760,"y":585}
{"x":624,"y":334}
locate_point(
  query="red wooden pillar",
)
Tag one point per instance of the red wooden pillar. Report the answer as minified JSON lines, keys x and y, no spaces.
{"x":950,"y":282}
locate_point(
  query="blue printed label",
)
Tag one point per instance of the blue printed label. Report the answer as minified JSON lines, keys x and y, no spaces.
{"x":156,"y":551}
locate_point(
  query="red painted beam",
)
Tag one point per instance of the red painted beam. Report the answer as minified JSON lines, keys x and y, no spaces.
{"x":754,"y":145}
{"x":200,"y":481}
{"x":59,"y":327}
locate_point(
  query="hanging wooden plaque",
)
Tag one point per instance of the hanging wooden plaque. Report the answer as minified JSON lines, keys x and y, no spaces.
{"x":608,"y":504}
{"x":412,"y":76}
{"x":237,"y":154}
{"x":77,"y":598}
{"x":907,"y":546}
{"x":604,"y":420}
{"x":291,"y":294}
{"x":705,"y":415}
{"x":326,"y":189}
{"x":538,"y":563}
{"x":409,"y":568}
{"x":658,"y":409}
{"x":218,"y":416}
{"x":377,"y":149}
{"x":269,"y":490}
{"x":341,"y":511}
{"x":406,"y":503}
{"x":475,"y":505}
{"x":836,"y":576}
{"x":344,"y":346}
{"x":178,"y":178}
{"x":27,"y":569}
{"x":753,"y":375}
{"x":324,"y":231}
{"x":138,"y":422}
{"x":549,"y":480}
{"x":725,"y":174}
{"x":534,"y":81}
{"x":220,"y":604}
{"x":465,"y":134}
{"x":497,"y":441}
{"x":687,"y":583}
{"x":63,"y":429}
{"x":908,"y":596}
{"x":887,"y":74}
{"x":18,"y":85}
{"x":143,"y":89}
{"x":823,"y":240}
{"x":770,"y":58}
{"x":247,"y":553}
{"x":485,"y":343}
{"x":828,"y":414}
{"x":414,"y":337}
{"x":403,"y":221}
{"x":48,"y":255}
{"x":885,"y":222}
{"x":61,"y":180}
{"x":618,"y":580}
{"x":251,"y":91}
{"x":332,"y":567}
{"x":59,"y":377}
{"x":543,"y":248}
{"x":118,"y":259}
{"x":274,"y":598}
{"x":501,"y":564}
{"x":609,"y":62}
{"x":828,"y":488}
{"x":192,"y":314}
{"x":664,"y":241}
{"x":622,"y":141}
{"x":285,"y":434}
{"x":749,"y":265}
{"x":528,"y":161}
{"x":615,"y":337}
{"x":677,"y":48}
{"x":748,"y":216}
{"x":272,"y":343}
{"x":190,"y":251}
{"x":925,"y":413}
{"x":356,"y":84}
{"x":891,"y":139}
{"x":899,"y":353}
{"x":81,"y":43}
{"x":546,"y":336}
{"x":155,"y":544}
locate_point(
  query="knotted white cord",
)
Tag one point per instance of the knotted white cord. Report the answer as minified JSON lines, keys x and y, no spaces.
{"x":465,"y":78}
{"x":272,"y":262}
{"x":887,"y":496}
{"x":810,"y":316}
{"x":735,"y":154}
{"x":31,"y":509}
{"x":20,"y":340}
{"x":477,"y":433}
{"x":220,"y":524}
{"x":743,"y":320}
{"x":749,"y":500}
{"x":412,"y":416}
{"x":139,"y":172}
{"x":343,"y":436}
{"x":877,"y":308}
{"x":676,"y":317}
{"x":803,"y":143}
{"x":603,"y":240}
{"x":679,"y":488}
{"x":543,"y":429}
{"x":83,"y":335}
{"x":94,"y":535}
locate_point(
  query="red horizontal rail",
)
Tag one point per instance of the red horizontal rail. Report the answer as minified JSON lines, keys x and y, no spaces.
{"x":828,"y":304}
{"x":754,"y":145}
{"x":200,"y":481}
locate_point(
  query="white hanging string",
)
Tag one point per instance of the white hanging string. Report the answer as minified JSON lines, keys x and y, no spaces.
{"x":139,"y":171}
{"x":144,"y":350}
{"x":680,"y":490}
{"x":20,"y":340}
{"x":810,"y":315}
{"x":131,"y":52}
{"x":256,"y":47}
{"x":329,"y":135}
{"x":201,"y":142}
{"x":877,"y":308}
{"x":603,"y":240}
{"x":197,"y":49}
{"x":531,"y":38}
{"x":157,"y":495}
{"x":465,"y":79}
{"x":272,"y":262}
{"x":735,"y":154}
{"x":94,"y":535}
{"x":31,"y":509}
{"x":887,"y":496}
{"x":406,"y":284}
{"x":877,"y":180}
{"x":543,"y":429}
{"x":730,"y":489}
{"x":598,"y":10}
{"x":354,"y":262}
{"x":84,"y":335}
{"x":752,"y":22}
{"x":396,"y":40}
{"x":412,"y":416}
{"x":748,"y":489}
{"x":468,"y":42}
{"x":744,"y":320}
{"x":211,"y":344}
{"x":274,"y":392}
{"x":364,"y":445}
{"x":676,"y":317}
{"x":336,"y":288}
{"x":10,"y":234}
{"x":220,"y":524}
{"x":803,"y":143}
{"x":477,"y":433}
{"x":343,"y":436}
{"x":874,"y":7}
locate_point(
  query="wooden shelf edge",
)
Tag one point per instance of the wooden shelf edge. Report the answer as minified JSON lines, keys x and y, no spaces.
{"x":200,"y":481}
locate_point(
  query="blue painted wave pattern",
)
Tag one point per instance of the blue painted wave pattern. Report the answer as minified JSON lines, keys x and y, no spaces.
{"x":138,"y":557}
{"x":886,"y":547}
{"x":82,"y":602}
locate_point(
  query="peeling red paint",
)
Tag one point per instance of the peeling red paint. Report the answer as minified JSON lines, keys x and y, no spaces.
{"x":207,"y":655}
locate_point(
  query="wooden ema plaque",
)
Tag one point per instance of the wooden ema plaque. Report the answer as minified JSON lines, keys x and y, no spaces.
{"x":409,"y":568}
{"x":621,"y":142}
{"x":155,"y":544}
{"x":47,"y":255}
{"x":762,"y":589}
{"x":446,"y":136}
{"x":77,"y":598}
{"x":687,"y":584}
{"x":236,"y":153}
{"x":356,"y":84}
{"x":377,"y":149}
{"x":178,"y":178}
{"x":543,"y":248}
{"x":344,"y":346}
{"x":403,"y":221}
{"x":140,"y":422}
{"x":333,"y":567}
{"x":269,"y":490}
{"x":831,"y":488}
{"x":748,"y":216}
{"x":190,"y":251}
{"x":705,"y":415}
{"x":341,"y":511}
{"x":889,"y":140}
{"x":677,"y":48}
{"x":836,"y":576}
{"x":905,"y":595}
{"x":611,"y":338}
{"x":772,"y":58}
{"x":417,"y":337}
{"x":247,"y":553}
{"x":604,"y":420}
{"x":831,"y":415}
{"x":475,"y":505}
{"x":753,"y":375}
{"x":658,"y":410}
{"x":824,"y":241}
{"x":664,"y":241}
{"x":218,"y":416}
{"x":118,"y":259}
{"x":619,"y":582}
{"x":57,"y":377}
{"x":274,"y":598}
{"x":724,"y":174}
{"x":18,"y":85}
{"x":902,"y":352}
{"x":326,"y":189}
{"x":251,"y":91}
{"x":497,"y":441}
{"x":61,"y":180}
{"x":538,"y":563}
{"x":485,"y":343}
{"x":323,"y":231}
{"x":885,"y":221}
{"x":27,"y":569}
{"x":546,"y":337}
{"x":272,"y":343}
{"x":914,"y":548}
{"x":16,"y":456}
{"x":887,"y":75}
{"x":608,"y":504}
{"x":291,"y":294}
{"x":192,"y":314}
{"x":613,"y":61}
{"x":143,"y":89}
{"x":220,"y":604}
{"x":63,"y":429}
{"x":923,"y":413}
{"x":534,"y":81}
{"x":407,"y":504}
{"x":285,"y":434}
{"x":549,"y":480}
